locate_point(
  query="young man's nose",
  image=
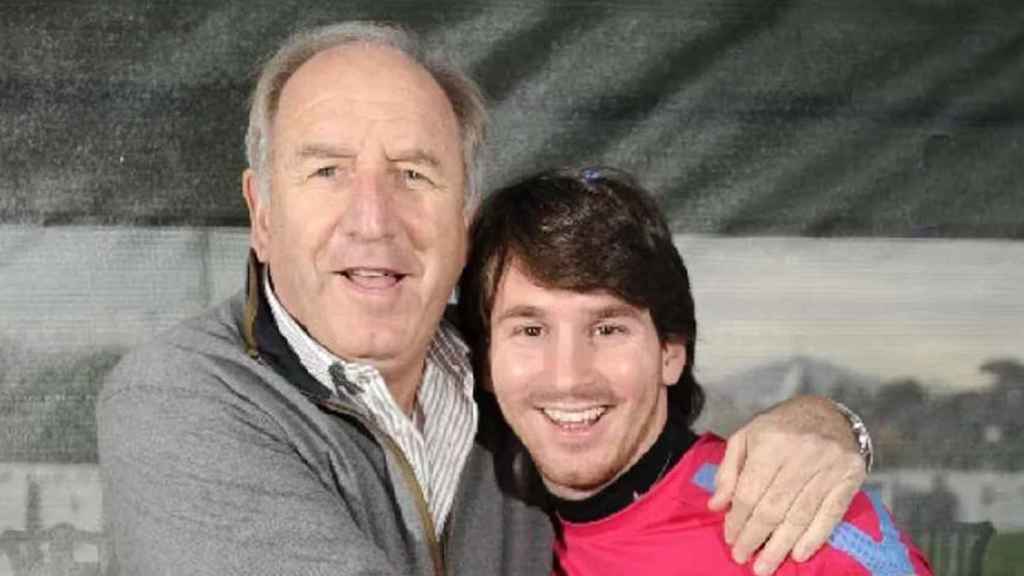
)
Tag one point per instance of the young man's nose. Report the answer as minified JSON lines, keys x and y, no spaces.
{"x":571,"y":363}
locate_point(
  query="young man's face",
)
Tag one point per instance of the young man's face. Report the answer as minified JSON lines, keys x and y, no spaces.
{"x":581,"y":378}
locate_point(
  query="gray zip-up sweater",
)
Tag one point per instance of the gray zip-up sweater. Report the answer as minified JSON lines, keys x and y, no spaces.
{"x":220,"y":455}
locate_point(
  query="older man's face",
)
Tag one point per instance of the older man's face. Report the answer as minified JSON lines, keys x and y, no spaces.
{"x":364,"y":231}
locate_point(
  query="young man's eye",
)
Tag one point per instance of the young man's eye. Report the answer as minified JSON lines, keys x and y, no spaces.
{"x":528,"y":331}
{"x":609,"y":329}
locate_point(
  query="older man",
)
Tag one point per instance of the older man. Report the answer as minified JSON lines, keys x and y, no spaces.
{"x":580,"y":311}
{"x":324,"y":420}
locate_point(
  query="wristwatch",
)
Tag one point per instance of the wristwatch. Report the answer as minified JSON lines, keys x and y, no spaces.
{"x":860,"y":434}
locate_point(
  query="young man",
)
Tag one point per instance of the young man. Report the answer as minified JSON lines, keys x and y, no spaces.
{"x":581,"y":308}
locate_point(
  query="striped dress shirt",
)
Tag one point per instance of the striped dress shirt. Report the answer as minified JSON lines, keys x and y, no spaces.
{"x":437,"y":439}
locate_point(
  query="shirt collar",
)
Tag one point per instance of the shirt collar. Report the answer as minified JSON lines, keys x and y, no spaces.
{"x":447,"y":351}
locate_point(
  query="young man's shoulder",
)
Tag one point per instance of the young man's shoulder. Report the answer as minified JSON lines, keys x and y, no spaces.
{"x":867,"y":542}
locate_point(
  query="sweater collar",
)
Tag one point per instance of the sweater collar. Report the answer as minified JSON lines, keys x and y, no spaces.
{"x":263,"y":340}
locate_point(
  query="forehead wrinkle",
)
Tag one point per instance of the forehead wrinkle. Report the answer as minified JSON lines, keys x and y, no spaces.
{"x":401,"y":135}
{"x":305,"y":105}
{"x":324,"y":150}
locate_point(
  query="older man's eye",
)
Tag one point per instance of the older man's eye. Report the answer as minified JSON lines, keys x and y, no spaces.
{"x":415,"y":176}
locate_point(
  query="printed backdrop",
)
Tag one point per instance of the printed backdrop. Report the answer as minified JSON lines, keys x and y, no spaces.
{"x":844,"y":178}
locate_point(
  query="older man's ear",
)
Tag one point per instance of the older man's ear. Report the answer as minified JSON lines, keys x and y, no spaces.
{"x":259,"y":213}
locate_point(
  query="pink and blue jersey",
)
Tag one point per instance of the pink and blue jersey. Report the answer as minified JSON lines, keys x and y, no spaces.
{"x":670,"y":531}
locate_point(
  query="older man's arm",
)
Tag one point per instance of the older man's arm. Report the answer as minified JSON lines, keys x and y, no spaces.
{"x":789,"y":475}
{"x":198,"y":481}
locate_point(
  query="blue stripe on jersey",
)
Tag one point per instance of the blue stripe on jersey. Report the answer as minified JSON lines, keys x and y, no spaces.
{"x":705,"y":477}
{"x":886,"y":557}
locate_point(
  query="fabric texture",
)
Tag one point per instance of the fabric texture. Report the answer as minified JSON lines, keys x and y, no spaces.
{"x":215,"y":462}
{"x":670,"y":531}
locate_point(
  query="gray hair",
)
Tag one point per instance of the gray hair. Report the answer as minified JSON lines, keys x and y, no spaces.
{"x":463,"y":94}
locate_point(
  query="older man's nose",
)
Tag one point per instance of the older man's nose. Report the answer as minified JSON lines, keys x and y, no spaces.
{"x":369,"y":214}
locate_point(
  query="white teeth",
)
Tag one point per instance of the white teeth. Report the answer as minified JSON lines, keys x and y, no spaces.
{"x":575,"y":416}
{"x":368,"y":273}
{"x":373,"y":278}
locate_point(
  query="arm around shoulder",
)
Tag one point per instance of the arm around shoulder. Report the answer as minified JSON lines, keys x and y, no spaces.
{"x":789,"y":476}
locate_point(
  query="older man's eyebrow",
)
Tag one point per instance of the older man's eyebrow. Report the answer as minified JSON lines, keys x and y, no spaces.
{"x":322,"y":150}
{"x":415,"y":156}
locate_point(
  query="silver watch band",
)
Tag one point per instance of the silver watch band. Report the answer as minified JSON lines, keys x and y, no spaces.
{"x":860,"y":434}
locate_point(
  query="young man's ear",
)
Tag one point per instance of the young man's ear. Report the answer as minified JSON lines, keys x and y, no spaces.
{"x":673,"y":360}
{"x":259,"y":214}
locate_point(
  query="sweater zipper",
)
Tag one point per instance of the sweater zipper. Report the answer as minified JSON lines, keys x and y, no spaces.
{"x":446,"y":532}
{"x":436,"y":553}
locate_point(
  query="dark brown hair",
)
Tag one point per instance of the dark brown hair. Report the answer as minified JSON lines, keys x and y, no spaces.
{"x":586,"y":230}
